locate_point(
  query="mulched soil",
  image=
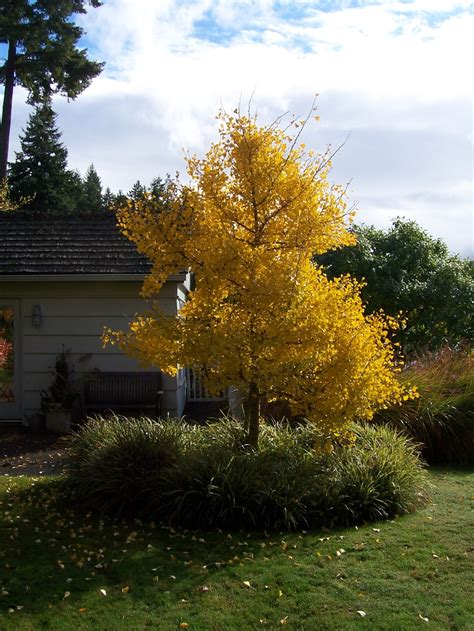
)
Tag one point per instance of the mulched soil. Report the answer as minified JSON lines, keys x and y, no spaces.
{"x":23,"y":452}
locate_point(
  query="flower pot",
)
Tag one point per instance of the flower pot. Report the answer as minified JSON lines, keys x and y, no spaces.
{"x":58,"y":421}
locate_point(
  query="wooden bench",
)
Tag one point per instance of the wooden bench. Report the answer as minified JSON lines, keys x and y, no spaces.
{"x":119,"y":392}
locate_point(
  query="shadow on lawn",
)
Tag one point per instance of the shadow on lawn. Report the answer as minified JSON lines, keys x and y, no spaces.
{"x":51,"y":547}
{"x":55,"y":559}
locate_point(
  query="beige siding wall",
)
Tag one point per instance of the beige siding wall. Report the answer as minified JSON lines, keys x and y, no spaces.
{"x":74,"y":315}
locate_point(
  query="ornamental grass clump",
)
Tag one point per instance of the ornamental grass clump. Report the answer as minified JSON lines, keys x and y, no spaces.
{"x":226,"y":483}
{"x":111,"y":460}
{"x":380,"y":476}
{"x":208,"y":476}
{"x":441,"y":419}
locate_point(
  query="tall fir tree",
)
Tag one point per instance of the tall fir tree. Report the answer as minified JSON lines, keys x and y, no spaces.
{"x":158,"y":186}
{"x":92,"y":198}
{"x":42,"y":55}
{"x":39,"y":179}
{"x":75,"y":190}
{"x":108,"y":199}
{"x":137,"y":191}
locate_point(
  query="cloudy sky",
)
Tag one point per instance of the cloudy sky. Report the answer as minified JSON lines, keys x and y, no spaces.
{"x":394,"y":76}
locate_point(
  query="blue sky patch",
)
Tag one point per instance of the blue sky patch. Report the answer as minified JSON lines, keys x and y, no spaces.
{"x":208,"y":29}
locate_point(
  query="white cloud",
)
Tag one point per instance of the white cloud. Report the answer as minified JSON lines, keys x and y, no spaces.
{"x":394,"y":74}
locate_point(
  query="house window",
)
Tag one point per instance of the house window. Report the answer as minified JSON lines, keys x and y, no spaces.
{"x":7,"y":394}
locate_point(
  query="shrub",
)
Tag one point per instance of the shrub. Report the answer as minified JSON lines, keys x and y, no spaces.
{"x":442,"y":418}
{"x":111,"y":461}
{"x":207,"y":477}
{"x":377,"y":478}
{"x":229,"y":484}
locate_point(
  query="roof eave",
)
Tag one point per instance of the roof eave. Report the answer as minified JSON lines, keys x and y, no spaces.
{"x":177,"y":278}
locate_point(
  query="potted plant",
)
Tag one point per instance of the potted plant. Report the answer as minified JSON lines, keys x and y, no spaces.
{"x":57,"y":400}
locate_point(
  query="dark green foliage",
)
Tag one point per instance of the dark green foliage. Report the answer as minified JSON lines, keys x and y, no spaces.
{"x":63,"y":391}
{"x":158,"y":187}
{"x":117,"y":200}
{"x":225,"y":483}
{"x":92,"y":199}
{"x":39,"y":179}
{"x":76,"y":194}
{"x":407,"y":270}
{"x":114,"y":462}
{"x":108,"y":199}
{"x":157,"y":191}
{"x":207,"y":477}
{"x":442,"y":418}
{"x":137,"y":191}
{"x":47,"y":60}
{"x":377,"y":478}
{"x":42,"y":54}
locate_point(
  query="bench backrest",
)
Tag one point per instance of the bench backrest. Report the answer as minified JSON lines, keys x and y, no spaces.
{"x":123,"y":388}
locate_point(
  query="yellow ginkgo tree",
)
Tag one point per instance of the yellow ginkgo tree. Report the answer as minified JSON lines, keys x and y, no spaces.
{"x":262,"y":317}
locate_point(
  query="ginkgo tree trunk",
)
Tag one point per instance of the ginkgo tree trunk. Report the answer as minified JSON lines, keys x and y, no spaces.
{"x":262,"y":317}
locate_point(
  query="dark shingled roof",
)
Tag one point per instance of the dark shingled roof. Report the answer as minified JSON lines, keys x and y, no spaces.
{"x":66,"y":246}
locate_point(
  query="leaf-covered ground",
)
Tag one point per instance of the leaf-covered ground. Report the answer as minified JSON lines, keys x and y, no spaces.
{"x":23,"y":452}
{"x":61,"y":568}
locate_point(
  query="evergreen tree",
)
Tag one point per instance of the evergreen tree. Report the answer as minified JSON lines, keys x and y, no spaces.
{"x":76,"y":191}
{"x":158,"y":187}
{"x":39,"y":179}
{"x":108,"y":200}
{"x":137,"y":191}
{"x":93,"y":200}
{"x":42,"y":55}
{"x":118,"y":199}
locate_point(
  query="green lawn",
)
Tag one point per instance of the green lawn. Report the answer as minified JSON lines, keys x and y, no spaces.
{"x":61,"y":569}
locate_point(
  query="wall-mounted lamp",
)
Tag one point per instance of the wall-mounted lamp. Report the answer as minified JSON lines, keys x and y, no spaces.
{"x":36,"y":316}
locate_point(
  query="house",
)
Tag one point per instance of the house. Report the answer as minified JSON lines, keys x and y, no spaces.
{"x":61,"y":282}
